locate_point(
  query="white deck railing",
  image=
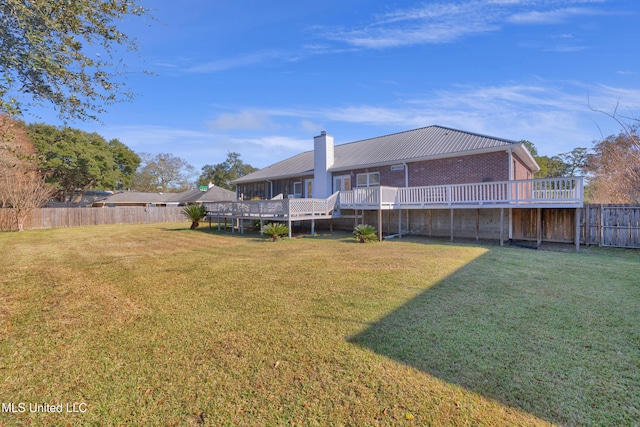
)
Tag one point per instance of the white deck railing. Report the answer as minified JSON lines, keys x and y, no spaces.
{"x":284,"y":208}
{"x":550,"y":192}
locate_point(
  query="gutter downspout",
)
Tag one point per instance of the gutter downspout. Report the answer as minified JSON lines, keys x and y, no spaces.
{"x":406,"y":174}
{"x":511,"y":177}
{"x":406,"y":185}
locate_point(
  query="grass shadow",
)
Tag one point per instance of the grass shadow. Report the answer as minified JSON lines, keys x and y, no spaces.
{"x":559,"y":342}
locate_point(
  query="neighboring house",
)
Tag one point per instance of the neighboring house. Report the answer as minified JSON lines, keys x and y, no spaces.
{"x":83,"y":200}
{"x":136,"y":198}
{"x":430,"y":181}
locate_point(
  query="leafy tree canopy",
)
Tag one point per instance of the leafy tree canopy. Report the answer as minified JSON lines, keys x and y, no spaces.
{"x":223,"y":173}
{"x":62,"y":53}
{"x":572,"y":163}
{"x":163,"y":172}
{"x":76,"y":161}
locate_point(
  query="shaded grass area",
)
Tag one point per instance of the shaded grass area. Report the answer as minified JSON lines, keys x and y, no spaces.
{"x":160,"y":325}
{"x":553,"y":334}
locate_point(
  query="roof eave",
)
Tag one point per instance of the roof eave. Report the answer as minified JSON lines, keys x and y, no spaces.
{"x":272,"y":178}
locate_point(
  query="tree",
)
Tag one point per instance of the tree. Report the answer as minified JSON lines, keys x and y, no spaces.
{"x":76,"y":161}
{"x":163,"y":172}
{"x":126,"y":163}
{"x":223,"y":173}
{"x":615,"y":168}
{"x":615,"y":163}
{"x":575,"y":161}
{"x":16,"y":150}
{"x":24,"y":191}
{"x":22,"y":187}
{"x":550,"y":167}
{"x":62,"y":53}
{"x":194,"y":213}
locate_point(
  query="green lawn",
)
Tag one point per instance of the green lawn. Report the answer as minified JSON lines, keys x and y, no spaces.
{"x":160,"y":325}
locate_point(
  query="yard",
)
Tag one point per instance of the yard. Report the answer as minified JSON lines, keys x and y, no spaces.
{"x":160,"y":325}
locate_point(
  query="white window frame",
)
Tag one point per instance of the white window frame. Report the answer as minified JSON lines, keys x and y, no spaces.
{"x":338,"y":182}
{"x":297,"y":185}
{"x":368,"y":180}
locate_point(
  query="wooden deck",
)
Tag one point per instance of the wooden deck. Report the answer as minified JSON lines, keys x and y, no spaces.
{"x":279,"y":209}
{"x":531,"y":193}
{"x":286,"y":210}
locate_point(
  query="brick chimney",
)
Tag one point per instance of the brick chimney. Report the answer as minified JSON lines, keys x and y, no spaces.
{"x":322,"y":160}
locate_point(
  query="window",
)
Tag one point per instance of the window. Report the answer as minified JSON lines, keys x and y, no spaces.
{"x":368,"y":179}
{"x":342,"y":183}
{"x":297,"y":189}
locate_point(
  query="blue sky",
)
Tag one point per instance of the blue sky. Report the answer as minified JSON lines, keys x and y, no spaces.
{"x":262,"y":78}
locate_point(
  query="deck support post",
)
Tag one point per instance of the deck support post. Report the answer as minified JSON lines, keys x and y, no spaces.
{"x":510,"y":223}
{"x":451,"y":223}
{"x":261,"y":226}
{"x":501,"y":226}
{"x":380,"y":225}
{"x":331,"y":225}
{"x":430,"y":222}
{"x":400,"y":224}
{"x":577,"y":230}
{"x":313,"y":227}
{"x":477,"y":225}
{"x":408,"y":223}
{"x":225,"y":228}
{"x":539,"y":226}
{"x":289,"y":217}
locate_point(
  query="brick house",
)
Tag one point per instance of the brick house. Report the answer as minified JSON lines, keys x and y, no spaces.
{"x":433,"y":181}
{"x":427,"y":156}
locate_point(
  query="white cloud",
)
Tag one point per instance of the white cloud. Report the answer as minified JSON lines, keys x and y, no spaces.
{"x":555,"y":16}
{"x":236,"y":62}
{"x":244,"y":120}
{"x":311,"y":127}
{"x":437,"y":23}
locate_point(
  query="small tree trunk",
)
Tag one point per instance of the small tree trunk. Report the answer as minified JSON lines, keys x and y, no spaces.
{"x":20,"y":221}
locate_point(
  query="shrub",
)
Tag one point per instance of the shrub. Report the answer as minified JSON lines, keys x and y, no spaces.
{"x":195,"y":213}
{"x":365,"y":233}
{"x":275,"y":230}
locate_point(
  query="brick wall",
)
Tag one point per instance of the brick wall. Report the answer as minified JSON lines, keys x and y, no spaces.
{"x":521,"y":171}
{"x":456,"y":170}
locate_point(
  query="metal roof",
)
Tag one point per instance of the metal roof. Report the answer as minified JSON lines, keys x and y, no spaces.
{"x":413,"y":145}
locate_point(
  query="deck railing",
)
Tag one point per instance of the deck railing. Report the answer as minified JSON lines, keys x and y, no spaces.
{"x":551,"y":192}
{"x":285,"y":208}
{"x":547,"y":192}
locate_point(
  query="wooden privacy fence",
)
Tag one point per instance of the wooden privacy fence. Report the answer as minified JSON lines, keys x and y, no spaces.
{"x":73,"y":217}
{"x":612,"y":225}
{"x":602,"y":225}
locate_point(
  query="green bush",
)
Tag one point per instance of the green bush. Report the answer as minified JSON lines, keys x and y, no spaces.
{"x":365,"y":233}
{"x":275,"y":230}
{"x":195,"y":213}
